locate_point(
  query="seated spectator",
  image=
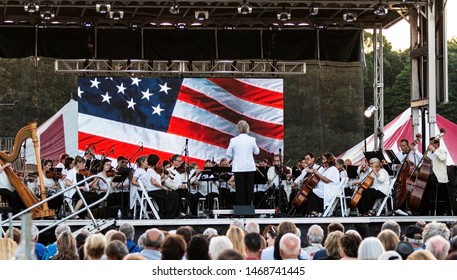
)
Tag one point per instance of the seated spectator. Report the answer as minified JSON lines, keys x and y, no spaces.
{"x":349,"y":245}
{"x":404,"y":249}
{"x":129,"y":232}
{"x":389,"y":239}
{"x":94,"y":247}
{"x":230,"y":254}
{"x":289,"y":246}
{"x":116,"y":250}
{"x":370,"y":249}
{"x":236,"y":235}
{"x":421,"y":255}
{"x":66,"y":247}
{"x":413,"y":235}
{"x":152,"y":242}
{"x":173,"y":247}
{"x":392,"y":225}
{"x":315,"y":236}
{"x":390,"y":256}
{"x":253,"y":245}
{"x":332,"y":246}
{"x":217,"y":245}
{"x":438,"y":246}
{"x":7,"y":248}
{"x":197,"y":249}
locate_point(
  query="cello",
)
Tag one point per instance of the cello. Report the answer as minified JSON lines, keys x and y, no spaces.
{"x":404,"y":173}
{"x":419,"y":178}
{"x":365,"y":184}
{"x":308,"y":185}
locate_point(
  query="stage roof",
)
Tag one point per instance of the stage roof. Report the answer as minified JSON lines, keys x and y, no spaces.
{"x":218,"y":14}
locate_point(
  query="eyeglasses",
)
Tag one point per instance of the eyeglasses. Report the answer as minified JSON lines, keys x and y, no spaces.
{"x":178,"y":160}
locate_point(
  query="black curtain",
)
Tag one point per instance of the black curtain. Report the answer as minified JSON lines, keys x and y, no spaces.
{"x":239,"y":44}
{"x":71,"y":43}
{"x":179,"y":45}
{"x":118,"y":44}
{"x":340,"y":45}
{"x":17,"y":42}
{"x":290,"y":44}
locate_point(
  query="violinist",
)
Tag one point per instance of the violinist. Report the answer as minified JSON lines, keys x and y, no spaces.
{"x":50,"y":184}
{"x":378,"y":189}
{"x":276,"y":176}
{"x":99,"y":186}
{"x":73,"y":178}
{"x":68,"y":165}
{"x":178,"y":171}
{"x":206,"y":187}
{"x":326,"y":188}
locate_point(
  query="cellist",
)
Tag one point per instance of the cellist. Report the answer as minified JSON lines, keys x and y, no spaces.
{"x":307,"y":161}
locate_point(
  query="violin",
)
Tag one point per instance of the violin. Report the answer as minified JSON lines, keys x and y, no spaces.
{"x":53,"y":175}
{"x":85,"y":172}
{"x":111,"y":172}
{"x":160,"y":170}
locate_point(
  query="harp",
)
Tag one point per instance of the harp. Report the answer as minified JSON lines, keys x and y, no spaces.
{"x":26,"y":195}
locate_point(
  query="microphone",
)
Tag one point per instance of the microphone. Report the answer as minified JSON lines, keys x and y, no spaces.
{"x":141,"y":146}
{"x":187,"y":141}
{"x":93,"y":146}
{"x":280,"y":151}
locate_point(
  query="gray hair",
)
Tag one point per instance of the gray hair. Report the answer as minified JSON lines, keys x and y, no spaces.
{"x":370,"y":248}
{"x":438,"y":246}
{"x":34,"y":232}
{"x":128,"y":230}
{"x":153,"y":243}
{"x":219,"y":244}
{"x":392,"y":225}
{"x":210,"y":231}
{"x":373,"y":160}
{"x":435,"y":228}
{"x":61,"y":228}
{"x":289,"y":245}
{"x":242,"y":126}
{"x":141,"y":241}
{"x":252,"y":227}
{"x":315,"y":234}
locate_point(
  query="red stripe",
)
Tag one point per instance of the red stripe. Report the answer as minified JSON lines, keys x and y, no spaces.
{"x":127,"y":150}
{"x":251,"y":93}
{"x":52,"y":141}
{"x":200,"y":100}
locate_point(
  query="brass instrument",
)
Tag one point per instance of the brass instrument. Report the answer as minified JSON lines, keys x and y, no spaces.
{"x":23,"y":191}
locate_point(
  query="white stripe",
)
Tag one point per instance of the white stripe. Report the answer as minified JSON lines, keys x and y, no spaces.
{"x":268,"y":84}
{"x":242,"y":107}
{"x":152,"y":139}
{"x":196,"y":114}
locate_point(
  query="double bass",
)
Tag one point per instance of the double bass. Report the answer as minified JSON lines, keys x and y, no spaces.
{"x":404,"y":173}
{"x":419,"y":178}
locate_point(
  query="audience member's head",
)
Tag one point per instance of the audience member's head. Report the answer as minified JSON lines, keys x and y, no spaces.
{"x":95,"y":245}
{"x":421,"y":255}
{"x":66,"y":247}
{"x":404,"y":249}
{"x":236,"y":235}
{"x":413,"y":235}
{"x":153,"y":239}
{"x":435,"y":228}
{"x":186,"y":232}
{"x":118,"y":236}
{"x":390,"y":256}
{"x":237,"y":223}
{"x":116,"y":250}
{"x":173,"y":247}
{"x":334,"y":227}
{"x":210,"y":232}
{"x":217,"y":245}
{"x":389,"y":239}
{"x":7,"y":248}
{"x":315,"y":234}
{"x":197,"y":249}
{"x":438,"y":246}
{"x":349,"y":245}
{"x":16,"y":235}
{"x":287,"y":227}
{"x":269,"y":233}
{"x":230,"y":254}
{"x":252,"y":227}
{"x":289,"y":246}
{"x":253,"y":243}
{"x":134,"y":257}
{"x":128,"y":230}
{"x":370,"y":249}
{"x":332,"y":244}
{"x":392,"y":225}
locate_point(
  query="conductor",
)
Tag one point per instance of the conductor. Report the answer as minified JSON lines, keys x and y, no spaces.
{"x":241,"y":151}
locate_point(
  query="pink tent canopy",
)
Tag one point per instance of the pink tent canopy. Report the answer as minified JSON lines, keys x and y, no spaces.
{"x":401,"y":128}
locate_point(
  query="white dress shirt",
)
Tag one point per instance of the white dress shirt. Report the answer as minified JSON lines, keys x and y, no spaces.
{"x":241,"y":150}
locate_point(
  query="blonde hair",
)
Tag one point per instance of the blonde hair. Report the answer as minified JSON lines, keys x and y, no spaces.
{"x":242,"y":126}
{"x":95,"y":245}
{"x":421,"y":255}
{"x":389,"y":239}
{"x":7,"y":248}
{"x":236,"y":235}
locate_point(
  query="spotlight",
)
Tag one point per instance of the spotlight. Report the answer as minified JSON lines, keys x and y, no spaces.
{"x":201,"y":14}
{"x":229,"y":27}
{"x":370,"y":111}
{"x":88,"y":24}
{"x":244,"y":8}
{"x":116,"y":15}
{"x":283,"y":15}
{"x":181,"y":26}
{"x":380,"y":9}
{"x":349,"y":16}
{"x":102,"y":8}
{"x":174,"y":8}
{"x":31,"y":7}
{"x":47,"y":14}
{"x":134,"y":26}
{"x":313,"y":9}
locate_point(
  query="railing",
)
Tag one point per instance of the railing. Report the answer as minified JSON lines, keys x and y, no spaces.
{"x":85,"y":208}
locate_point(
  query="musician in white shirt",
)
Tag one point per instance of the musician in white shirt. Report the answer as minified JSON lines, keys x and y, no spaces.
{"x":178,"y":174}
{"x":414,"y":156}
{"x":241,"y":150}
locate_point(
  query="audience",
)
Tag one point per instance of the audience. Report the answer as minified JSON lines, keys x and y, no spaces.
{"x":173,"y":247}
{"x":153,"y":239}
{"x":253,"y":246}
{"x":289,"y":246}
{"x":370,"y":249}
{"x":197,"y":248}
{"x":438,"y":246}
{"x":219,"y":244}
{"x":66,"y":247}
{"x":116,"y":250}
{"x":315,"y":236}
{"x":389,"y":239}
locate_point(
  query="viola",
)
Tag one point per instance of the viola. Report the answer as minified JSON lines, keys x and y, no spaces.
{"x":53,"y":175}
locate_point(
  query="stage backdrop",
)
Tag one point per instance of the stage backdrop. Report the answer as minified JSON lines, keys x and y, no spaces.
{"x":136,"y":116}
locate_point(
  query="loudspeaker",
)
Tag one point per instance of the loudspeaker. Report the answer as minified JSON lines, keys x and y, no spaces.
{"x":243,"y":210}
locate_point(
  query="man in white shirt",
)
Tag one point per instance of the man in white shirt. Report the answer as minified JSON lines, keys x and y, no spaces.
{"x":414,"y":156}
{"x":241,"y":150}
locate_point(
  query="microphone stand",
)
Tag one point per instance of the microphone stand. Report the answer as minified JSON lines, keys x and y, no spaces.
{"x":187,"y":171}
{"x":280,"y":173}
{"x":137,"y":150}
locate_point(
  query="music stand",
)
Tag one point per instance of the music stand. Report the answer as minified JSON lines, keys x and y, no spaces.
{"x":259,"y":177}
{"x":374,"y":154}
{"x":120,"y":177}
{"x":207,"y":175}
{"x":393,"y":157}
{"x":352,"y":171}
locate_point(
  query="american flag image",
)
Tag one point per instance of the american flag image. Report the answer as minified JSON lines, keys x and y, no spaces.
{"x":136,"y":116}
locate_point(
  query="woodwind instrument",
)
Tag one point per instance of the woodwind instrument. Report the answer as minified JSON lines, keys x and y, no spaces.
{"x":23,"y":191}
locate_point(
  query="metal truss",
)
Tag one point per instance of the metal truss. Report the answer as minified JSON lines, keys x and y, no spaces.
{"x":181,"y":68}
{"x":378,"y":87}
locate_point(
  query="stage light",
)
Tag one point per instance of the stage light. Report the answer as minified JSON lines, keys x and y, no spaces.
{"x":229,"y":27}
{"x":244,"y":8}
{"x":380,"y":9}
{"x":31,"y":7}
{"x":88,"y":24}
{"x":284,"y":15}
{"x":102,"y":8}
{"x":134,"y":26}
{"x":201,"y":14}
{"x":349,"y":16}
{"x":47,"y":14}
{"x":174,"y":8}
{"x":370,"y":111}
{"x":313,"y":9}
{"x":181,"y":26}
{"x":116,"y":15}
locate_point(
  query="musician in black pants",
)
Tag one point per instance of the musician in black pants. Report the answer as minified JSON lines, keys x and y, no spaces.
{"x":7,"y":191}
{"x":241,"y":150}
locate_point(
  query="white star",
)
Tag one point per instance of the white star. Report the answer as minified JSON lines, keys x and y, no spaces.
{"x":164,"y":88}
{"x":80,"y":92}
{"x":121,"y":88}
{"x":106,"y":98}
{"x":136,"y":81}
{"x":146,"y":94}
{"x":157,"y":110}
{"x":131,"y":104}
{"x":94,"y":83}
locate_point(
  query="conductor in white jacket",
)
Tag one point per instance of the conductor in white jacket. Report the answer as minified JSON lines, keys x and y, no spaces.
{"x":241,"y":151}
